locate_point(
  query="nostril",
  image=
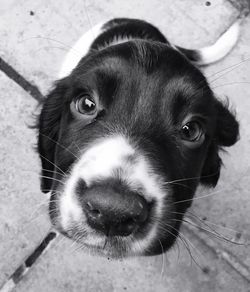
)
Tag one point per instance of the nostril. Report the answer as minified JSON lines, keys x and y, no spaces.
{"x":95,"y":212}
{"x":130,"y":225}
{"x":89,"y":206}
{"x":129,"y":222}
{"x":123,"y":228}
{"x":92,"y":210}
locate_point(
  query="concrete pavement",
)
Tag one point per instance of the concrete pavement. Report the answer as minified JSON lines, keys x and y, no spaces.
{"x":35,"y":35}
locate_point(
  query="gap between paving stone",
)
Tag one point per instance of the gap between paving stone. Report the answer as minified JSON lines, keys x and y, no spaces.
{"x":21,"y":81}
{"x":44,"y":245}
{"x":231,"y":260}
{"x":23,"y":269}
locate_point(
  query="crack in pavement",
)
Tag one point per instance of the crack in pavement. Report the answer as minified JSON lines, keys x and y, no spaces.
{"x":20,"y":80}
{"x":25,"y":266}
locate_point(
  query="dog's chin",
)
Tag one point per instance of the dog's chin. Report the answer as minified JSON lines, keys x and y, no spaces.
{"x":113,"y":247}
{"x":104,"y":246}
{"x":110,"y":252}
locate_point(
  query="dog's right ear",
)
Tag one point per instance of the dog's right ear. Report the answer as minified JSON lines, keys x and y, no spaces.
{"x":49,"y":126}
{"x":226,"y":134}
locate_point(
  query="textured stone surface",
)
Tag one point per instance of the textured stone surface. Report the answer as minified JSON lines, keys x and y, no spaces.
{"x":65,"y":269}
{"x":230,"y":204}
{"x":23,"y":221}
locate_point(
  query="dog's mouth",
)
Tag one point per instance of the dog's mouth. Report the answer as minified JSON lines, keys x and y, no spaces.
{"x":112,"y":242}
{"x":117,"y":207}
{"x":108,"y":246}
{"x":118,"y":247}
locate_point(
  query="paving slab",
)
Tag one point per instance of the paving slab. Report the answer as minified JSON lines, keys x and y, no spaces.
{"x":230,"y":205}
{"x":64,"y":268}
{"x":35,"y":35}
{"x":23,"y":221}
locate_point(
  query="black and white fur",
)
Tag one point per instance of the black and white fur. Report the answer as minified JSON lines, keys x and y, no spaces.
{"x":121,"y":32}
{"x":122,"y":178}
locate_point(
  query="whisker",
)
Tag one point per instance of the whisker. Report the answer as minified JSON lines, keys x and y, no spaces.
{"x":186,"y":240}
{"x":195,"y":216}
{"x":205,"y":223}
{"x":215,"y":234}
{"x":39,"y":206}
{"x":163,"y":259}
{"x":49,"y":47}
{"x":178,"y":184}
{"x":47,"y":170}
{"x":53,"y":171}
{"x":53,"y":40}
{"x":89,"y":20}
{"x":77,"y":146}
{"x":203,"y":82}
{"x":183,"y":240}
{"x":28,"y":223}
{"x":51,"y":178}
{"x":192,"y":178}
{"x":59,"y":144}
{"x":201,"y":197}
{"x":232,"y":67}
{"x":52,"y":164}
{"x":211,"y":231}
{"x":231,"y":83}
{"x":178,"y":251}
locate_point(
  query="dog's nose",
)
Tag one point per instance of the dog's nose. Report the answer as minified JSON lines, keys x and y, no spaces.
{"x":114,"y":212}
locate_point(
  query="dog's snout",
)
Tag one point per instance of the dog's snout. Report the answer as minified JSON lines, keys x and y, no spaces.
{"x":114,"y":212}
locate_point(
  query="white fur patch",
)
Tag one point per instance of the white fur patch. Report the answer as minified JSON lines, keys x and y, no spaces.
{"x":113,"y":154}
{"x":70,"y":209}
{"x":116,"y":40}
{"x":79,"y":50}
{"x":104,"y":158}
{"x":101,"y":161}
{"x":222,"y":46}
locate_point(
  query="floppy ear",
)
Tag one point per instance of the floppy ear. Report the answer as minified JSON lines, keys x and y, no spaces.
{"x":226,"y":134}
{"x":48,"y":125}
{"x":227,"y":126}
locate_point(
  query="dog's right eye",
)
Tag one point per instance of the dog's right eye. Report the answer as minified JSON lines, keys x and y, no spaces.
{"x":85,"y":104}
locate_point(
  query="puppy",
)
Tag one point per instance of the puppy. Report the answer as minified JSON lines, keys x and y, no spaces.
{"x":126,"y":135}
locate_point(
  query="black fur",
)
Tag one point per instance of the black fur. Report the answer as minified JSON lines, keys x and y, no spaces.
{"x":147,"y":89}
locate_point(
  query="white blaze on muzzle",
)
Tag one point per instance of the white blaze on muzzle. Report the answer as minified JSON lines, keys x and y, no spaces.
{"x":111,"y":157}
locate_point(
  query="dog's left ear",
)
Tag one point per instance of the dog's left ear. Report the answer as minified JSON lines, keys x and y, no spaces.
{"x":226,"y":134}
{"x":48,"y":126}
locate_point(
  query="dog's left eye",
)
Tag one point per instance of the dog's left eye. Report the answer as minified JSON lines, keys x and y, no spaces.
{"x":85,"y":104}
{"x":192,"y":132}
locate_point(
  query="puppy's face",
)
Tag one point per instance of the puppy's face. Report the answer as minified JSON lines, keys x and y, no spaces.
{"x":124,"y":141}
